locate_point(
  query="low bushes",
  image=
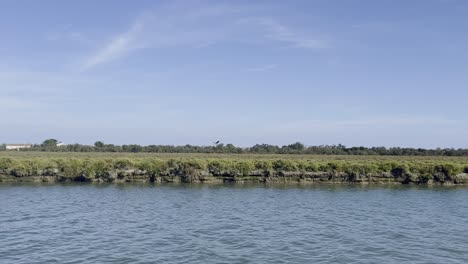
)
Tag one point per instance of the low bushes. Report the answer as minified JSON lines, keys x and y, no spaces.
{"x":107,"y":168}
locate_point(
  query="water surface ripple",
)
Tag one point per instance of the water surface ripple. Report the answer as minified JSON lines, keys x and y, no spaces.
{"x":232,"y":224}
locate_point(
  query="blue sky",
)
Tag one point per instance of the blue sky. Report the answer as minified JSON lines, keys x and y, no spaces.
{"x":357,"y":72}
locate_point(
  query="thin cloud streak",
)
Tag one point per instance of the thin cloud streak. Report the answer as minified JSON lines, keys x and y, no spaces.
{"x":198,"y":27}
{"x":117,"y":47}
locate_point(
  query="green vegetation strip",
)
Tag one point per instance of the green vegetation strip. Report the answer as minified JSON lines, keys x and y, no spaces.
{"x":111,"y":167}
{"x":53,"y":145}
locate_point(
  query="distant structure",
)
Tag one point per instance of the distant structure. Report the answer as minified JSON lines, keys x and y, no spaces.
{"x":60,"y":144}
{"x":17,"y":146}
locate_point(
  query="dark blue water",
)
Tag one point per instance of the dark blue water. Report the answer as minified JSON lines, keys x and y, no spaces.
{"x":232,"y":224}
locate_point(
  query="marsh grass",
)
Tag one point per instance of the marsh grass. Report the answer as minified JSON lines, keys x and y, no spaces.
{"x":106,"y":165}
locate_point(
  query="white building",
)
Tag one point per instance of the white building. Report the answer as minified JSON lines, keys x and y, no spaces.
{"x":17,"y":146}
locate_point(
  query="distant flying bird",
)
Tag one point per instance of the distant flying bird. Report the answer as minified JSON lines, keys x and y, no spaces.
{"x":216,"y":143}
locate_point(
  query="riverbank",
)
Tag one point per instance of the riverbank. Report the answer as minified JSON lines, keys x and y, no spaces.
{"x":18,"y":167}
{"x":291,"y":177}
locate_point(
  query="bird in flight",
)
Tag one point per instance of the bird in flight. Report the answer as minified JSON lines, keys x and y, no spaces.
{"x":216,"y":143}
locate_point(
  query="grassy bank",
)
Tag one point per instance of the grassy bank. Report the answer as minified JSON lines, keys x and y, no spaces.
{"x":149,"y":167}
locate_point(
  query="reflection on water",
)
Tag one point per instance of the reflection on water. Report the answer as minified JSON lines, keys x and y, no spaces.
{"x":129,"y":223}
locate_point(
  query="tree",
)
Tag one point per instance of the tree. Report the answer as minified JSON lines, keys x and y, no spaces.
{"x":50,"y":143}
{"x":230,"y":148}
{"x":98,"y":144}
{"x":296,"y":146}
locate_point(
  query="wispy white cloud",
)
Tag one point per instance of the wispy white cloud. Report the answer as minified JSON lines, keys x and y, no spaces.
{"x":198,"y":26}
{"x":263,"y":68}
{"x":118,"y":46}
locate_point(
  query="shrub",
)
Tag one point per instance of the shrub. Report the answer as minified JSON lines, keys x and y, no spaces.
{"x":284,"y":165}
{"x":336,"y":167}
{"x":187,"y":167}
{"x":153,"y":167}
{"x":71,"y":167}
{"x":400,"y":170}
{"x":448,"y":169}
{"x":242,"y":168}
{"x":5,"y":163}
{"x":217,"y":167}
{"x":123,"y":164}
{"x":263,"y":165}
{"x":311,"y":166}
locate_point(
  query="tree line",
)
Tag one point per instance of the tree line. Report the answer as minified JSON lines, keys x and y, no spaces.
{"x":295,"y":148}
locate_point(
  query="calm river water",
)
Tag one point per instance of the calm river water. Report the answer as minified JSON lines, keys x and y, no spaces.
{"x":232,"y":224}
